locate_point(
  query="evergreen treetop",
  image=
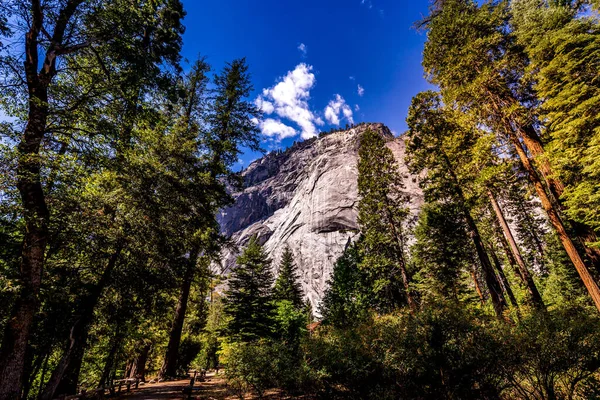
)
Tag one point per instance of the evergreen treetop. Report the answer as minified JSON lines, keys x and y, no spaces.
{"x":248,"y":300}
{"x":287,"y":285}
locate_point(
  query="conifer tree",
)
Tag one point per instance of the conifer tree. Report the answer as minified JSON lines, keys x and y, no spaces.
{"x":248,"y":299}
{"x":563,"y":48}
{"x":382,"y":216}
{"x":348,"y":296}
{"x":287,"y":286}
{"x":436,"y":144}
{"x":442,"y":252}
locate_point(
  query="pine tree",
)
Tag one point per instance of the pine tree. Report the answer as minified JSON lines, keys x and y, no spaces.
{"x":287,"y":286}
{"x":248,"y":299}
{"x":438,"y":145}
{"x":382,"y":216}
{"x":348,"y":297}
{"x":442,"y":252}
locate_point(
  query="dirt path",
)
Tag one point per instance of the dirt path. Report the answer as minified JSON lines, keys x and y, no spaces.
{"x":214,"y":388}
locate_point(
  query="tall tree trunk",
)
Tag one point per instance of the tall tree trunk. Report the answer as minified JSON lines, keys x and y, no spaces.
{"x":169,"y":367}
{"x":31,"y":372}
{"x":138,"y":369}
{"x":398,"y":235}
{"x":43,"y":374}
{"x":476,"y":283}
{"x":111,"y":356}
{"x":582,"y":231}
{"x":558,"y":225}
{"x":503,"y":279}
{"x":66,"y":374}
{"x":491,"y":281}
{"x":524,"y":274}
{"x":29,"y":185}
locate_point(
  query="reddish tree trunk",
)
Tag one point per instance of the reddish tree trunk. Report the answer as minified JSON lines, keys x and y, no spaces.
{"x":491,"y":281}
{"x":138,"y":368}
{"x":583,"y":232}
{"x":524,"y":274}
{"x":503,"y":279}
{"x":558,"y":225}
{"x":476,"y":283}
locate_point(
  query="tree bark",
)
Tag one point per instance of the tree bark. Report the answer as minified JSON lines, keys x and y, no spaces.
{"x":503,"y":279}
{"x":582,"y":231}
{"x":169,"y":367}
{"x":558,"y":225}
{"x":66,"y":374}
{"x":110,"y":358}
{"x":491,"y":280}
{"x":498,"y":300}
{"x":476,"y":283}
{"x":138,"y":369}
{"x":36,"y":215}
{"x":35,"y":209}
{"x":401,"y":260}
{"x":524,"y":274}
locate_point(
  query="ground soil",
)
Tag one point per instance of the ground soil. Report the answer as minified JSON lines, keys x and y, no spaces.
{"x":214,"y":388}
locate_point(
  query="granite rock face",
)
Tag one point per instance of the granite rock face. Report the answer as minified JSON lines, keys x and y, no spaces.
{"x":306,"y":198}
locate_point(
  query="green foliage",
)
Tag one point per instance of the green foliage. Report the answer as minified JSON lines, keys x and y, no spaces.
{"x":442,"y":252}
{"x":232,"y":117}
{"x":442,"y":352}
{"x":250,"y":366}
{"x":564,"y":52}
{"x":216,"y":323}
{"x":290,"y":322}
{"x":348,"y":297}
{"x":382,"y":215}
{"x":287,"y":286}
{"x":265,"y":364}
{"x":557,"y":355}
{"x":446,"y":351}
{"x":248,"y":300}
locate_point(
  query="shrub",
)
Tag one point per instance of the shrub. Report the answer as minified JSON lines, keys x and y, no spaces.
{"x":437,"y":353}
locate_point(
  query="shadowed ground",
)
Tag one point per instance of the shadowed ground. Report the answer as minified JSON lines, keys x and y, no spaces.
{"x":215,"y":388}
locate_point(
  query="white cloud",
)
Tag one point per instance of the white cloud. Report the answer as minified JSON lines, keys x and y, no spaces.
{"x":360,"y":90}
{"x":356,"y":108}
{"x":351,"y":78}
{"x":335,"y":107}
{"x":303,"y":49}
{"x":276,"y":129}
{"x":289,"y":99}
{"x":264,"y":105}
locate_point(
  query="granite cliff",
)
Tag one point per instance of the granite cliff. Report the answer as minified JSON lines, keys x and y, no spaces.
{"x":306,"y":197}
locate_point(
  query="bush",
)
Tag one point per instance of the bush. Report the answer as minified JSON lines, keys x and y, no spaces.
{"x":188,"y":350}
{"x":446,"y":352}
{"x":559,"y":355}
{"x":258,"y":366}
{"x":437,"y":353}
{"x":249,"y":367}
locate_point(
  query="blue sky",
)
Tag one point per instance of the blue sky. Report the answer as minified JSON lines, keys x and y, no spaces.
{"x":308,"y":59}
